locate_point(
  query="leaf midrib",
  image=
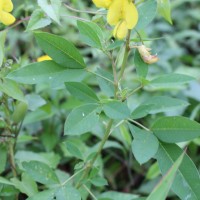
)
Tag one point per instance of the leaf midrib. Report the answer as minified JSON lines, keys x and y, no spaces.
{"x":65,"y":53}
{"x":181,"y":174}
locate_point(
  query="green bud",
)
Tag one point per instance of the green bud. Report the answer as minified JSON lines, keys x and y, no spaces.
{"x":20,"y":112}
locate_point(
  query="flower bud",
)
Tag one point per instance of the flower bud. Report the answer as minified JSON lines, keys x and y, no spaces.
{"x":20,"y":112}
{"x":43,"y":58}
{"x":102,"y":3}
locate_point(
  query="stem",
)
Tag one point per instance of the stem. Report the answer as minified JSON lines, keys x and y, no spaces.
{"x":12,"y":159}
{"x":127,"y":48}
{"x":71,"y":177}
{"x":18,"y":22}
{"x":139,"y":36}
{"x":90,"y":164}
{"x":100,"y":76}
{"x":137,"y":123}
{"x":74,"y":17}
{"x":115,"y":75}
{"x":92,"y":195}
{"x":133,"y":92}
{"x":82,"y":11}
{"x":9,"y":136}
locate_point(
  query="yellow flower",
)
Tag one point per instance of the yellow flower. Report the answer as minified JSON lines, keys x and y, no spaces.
{"x":120,"y":30}
{"x":121,"y":13}
{"x":6,"y":6}
{"x":102,"y":3}
{"x":42,"y":58}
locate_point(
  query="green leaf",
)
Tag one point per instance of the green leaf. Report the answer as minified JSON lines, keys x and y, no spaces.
{"x":158,"y":104}
{"x":41,"y":172}
{"x":34,"y":101}
{"x":46,"y":71}
{"x":170,"y":80}
{"x":141,"y":111}
{"x":106,"y":86}
{"x":80,"y":119}
{"x":68,"y":193}
{"x":60,"y":50}
{"x":44,"y":195}
{"x":187,"y":181}
{"x":162,"y":188}
{"x":99,"y":181}
{"x":176,"y":129}
{"x":8,"y":191}
{"x":164,"y":104}
{"x":153,"y":171}
{"x":2,"y":42}
{"x":147,"y":12}
{"x":12,"y":89}
{"x":51,"y":159}
{"x":141,"y":66}
{"x":74,"y":149}
{"x":144,"y":145}
{"x":3,"y":152}
{"x":40,"y":114}
{"x":117,"y":196}
{"x":91,"y":34}
{"x":27,"y":185}
{"x":115,"y":44}
{"x":51,"y":8}
{"x":116,"y":110}
{"x":5,"y":181}
{"x":20,"y":112}
{"x":82,"y":92}
{"x":38,"y":20}
{"x":164,"y":8}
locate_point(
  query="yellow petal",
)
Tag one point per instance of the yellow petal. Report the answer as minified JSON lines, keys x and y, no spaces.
{"x":115,"y":12}
{"x":120,"y":30}
{"x":102,"y":3}
{"x":7,"y":5}
{"x":1,"y":5}
{"x":42,"y":58}
{"x":131,"y":14}
{"x":6,"y":18}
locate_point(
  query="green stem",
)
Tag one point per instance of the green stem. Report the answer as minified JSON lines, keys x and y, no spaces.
{"x":83,"y":11}
{"x":115,"y":75}
{"x":12,"y":159}
{"x":133,"y":92}
{"x":99,"y":76}
{"x":139,"y":36}
{"x":91,"y":163}
{"x":137,"y":123}
{"x":127,"y":49}
{"x":71,"y":177}
{"x":92,"y":195}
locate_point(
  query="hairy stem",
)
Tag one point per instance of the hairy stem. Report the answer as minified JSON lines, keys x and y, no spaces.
{"x":126,"y":52}
{"x":115,"y":75}
{"x":82,"y":11}
{"x":91,"y":163}
{"x":12,"y":159}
